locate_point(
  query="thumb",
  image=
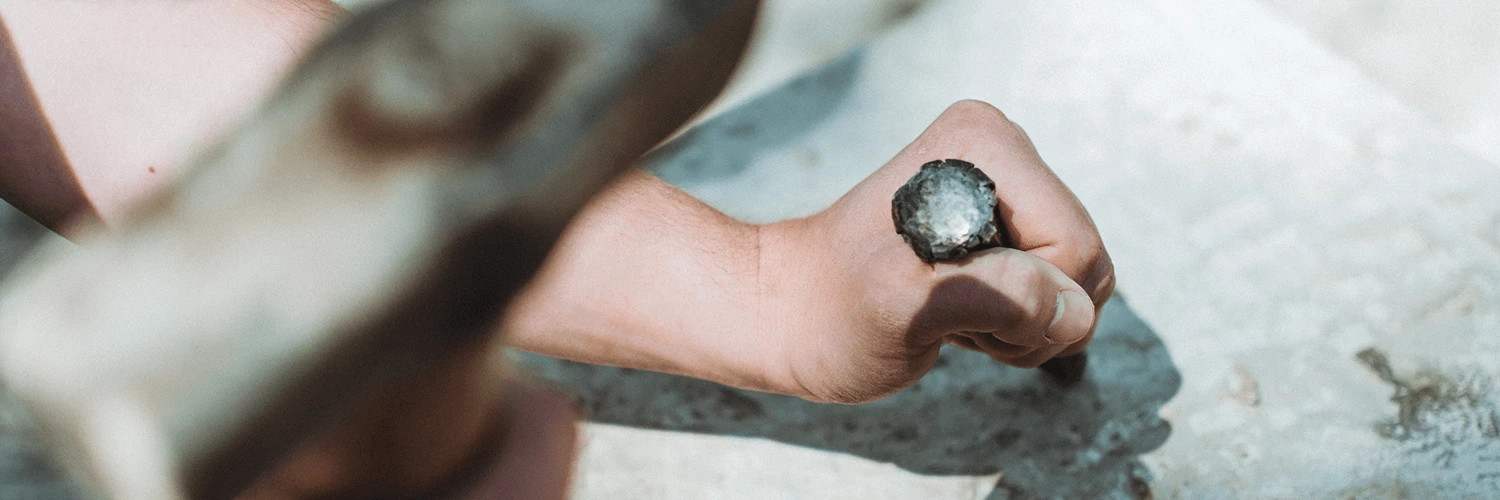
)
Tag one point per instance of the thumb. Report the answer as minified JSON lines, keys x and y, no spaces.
{"x":1019,"y":298}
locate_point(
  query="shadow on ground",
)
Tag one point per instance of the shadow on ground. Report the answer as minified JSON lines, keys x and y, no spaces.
{"x":725,"y":145}
{"x":968,"y":416}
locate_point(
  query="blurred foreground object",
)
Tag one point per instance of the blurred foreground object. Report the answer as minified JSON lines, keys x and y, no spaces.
{"x":375,"y":215}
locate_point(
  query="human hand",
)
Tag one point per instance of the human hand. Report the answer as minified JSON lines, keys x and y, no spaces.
{"x":860,"y":316}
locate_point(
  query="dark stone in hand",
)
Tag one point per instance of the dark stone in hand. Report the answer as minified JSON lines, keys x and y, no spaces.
{"x":946,"y":211}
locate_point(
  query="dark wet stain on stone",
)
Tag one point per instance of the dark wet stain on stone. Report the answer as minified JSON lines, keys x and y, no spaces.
{"x":1446,"y":422}
{"x":1435,"y":405}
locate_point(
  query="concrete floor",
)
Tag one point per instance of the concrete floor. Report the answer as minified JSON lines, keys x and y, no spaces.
{"x":1300,"y":200}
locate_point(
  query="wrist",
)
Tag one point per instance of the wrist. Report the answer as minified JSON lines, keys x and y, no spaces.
{"x":792,"y":280}
{"x":650,"y":278}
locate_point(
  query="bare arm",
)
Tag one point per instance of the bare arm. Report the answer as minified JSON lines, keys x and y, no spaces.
{"x":833,"y":307}
{"x":649,"y":277}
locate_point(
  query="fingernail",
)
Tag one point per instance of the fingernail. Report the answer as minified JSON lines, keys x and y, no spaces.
{"x":1068,"y":325}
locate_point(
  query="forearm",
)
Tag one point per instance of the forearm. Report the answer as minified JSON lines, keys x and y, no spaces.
{"x":648,"y":277}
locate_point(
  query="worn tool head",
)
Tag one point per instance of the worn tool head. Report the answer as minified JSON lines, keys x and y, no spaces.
{"x":946,"y":211}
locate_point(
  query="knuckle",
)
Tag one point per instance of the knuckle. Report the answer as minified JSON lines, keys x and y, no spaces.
{"x":1091,"y":247}
{"x":977,"y":109}
{"x":1087,"y":248}
{"x":1104,"y":290}
{"x":1101,"y":280}
{"x":987,"y":122}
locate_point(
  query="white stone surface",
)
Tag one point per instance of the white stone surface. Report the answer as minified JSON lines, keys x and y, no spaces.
{"x":1438,"y":56}
{"x":626,"y":462}
{"x":1272,"y":210}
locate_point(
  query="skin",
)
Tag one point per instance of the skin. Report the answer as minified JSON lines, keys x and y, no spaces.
{"x":833,"y":307}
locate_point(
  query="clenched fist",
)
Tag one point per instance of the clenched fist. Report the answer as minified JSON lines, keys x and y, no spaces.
{"x":861,"y":316}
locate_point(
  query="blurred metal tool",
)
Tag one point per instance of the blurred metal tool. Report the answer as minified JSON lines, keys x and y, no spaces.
{"x":373,"y":216}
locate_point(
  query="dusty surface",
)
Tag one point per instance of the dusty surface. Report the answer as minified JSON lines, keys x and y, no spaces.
{"x":1439,"y":57}
{"x":1310,"y":251}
